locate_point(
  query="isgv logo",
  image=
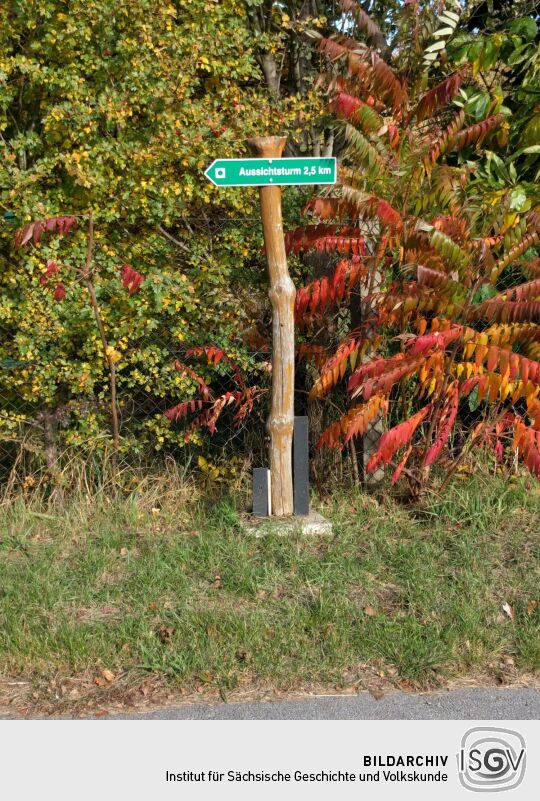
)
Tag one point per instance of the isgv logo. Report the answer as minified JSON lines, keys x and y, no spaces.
{"x":491,"y":759}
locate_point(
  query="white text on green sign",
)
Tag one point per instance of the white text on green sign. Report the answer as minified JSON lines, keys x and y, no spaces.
{"x":272,"y":172}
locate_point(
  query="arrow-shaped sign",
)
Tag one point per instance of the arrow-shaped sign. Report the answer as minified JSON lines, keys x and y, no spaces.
{"x":272,"y":172}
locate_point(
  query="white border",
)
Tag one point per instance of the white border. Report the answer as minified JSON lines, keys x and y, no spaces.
{"x":318,"y":182}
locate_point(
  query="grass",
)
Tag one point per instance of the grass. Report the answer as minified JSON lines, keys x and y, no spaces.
{"x":179,"y":590}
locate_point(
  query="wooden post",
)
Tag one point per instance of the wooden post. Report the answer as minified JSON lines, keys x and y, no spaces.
{"x":282,"y":294}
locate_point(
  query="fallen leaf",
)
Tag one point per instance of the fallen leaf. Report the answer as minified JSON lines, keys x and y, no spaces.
{"x":165,"y":634}
{"x":100,"y":681}
{"x":216,"y":584}
{"x":531,"y":607}
{"x":108,"y":675}
{"x":507,"y":609}
{"x":123,"y":551}
{"x":243,"y":656}
{"x":369,"y":611}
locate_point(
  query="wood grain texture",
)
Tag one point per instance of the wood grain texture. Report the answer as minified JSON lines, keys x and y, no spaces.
{"x":282,"y":294}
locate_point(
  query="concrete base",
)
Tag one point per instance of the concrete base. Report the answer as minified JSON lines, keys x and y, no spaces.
{"x":312,"y":524}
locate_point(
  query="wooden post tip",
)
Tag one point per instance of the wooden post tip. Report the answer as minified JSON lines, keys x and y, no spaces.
{"x":270,"y":147}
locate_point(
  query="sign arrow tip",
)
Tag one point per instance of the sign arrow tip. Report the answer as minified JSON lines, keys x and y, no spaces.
{"x":209,"y":172}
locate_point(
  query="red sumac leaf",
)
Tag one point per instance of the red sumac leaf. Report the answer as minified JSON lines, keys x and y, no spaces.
{"x":446,"y":421}
{"x":440,"y":95}
{"x":401,"y":466}
{"x":396,"y":438}
{"x":131,"y":279}
{"x":33,"y":231}
{"x":181,"y":409}
{"x":214,"y":355}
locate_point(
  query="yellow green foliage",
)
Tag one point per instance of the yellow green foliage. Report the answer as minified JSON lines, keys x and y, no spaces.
{"x":116,"y":109}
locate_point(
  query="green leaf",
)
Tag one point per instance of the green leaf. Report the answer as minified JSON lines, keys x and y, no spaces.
{"x":525,"y":27}
{"x":519,"y":55}
{"x":518,"y":199}
{"x":473,"y":401}
{"x":485,"y":292}
{"x":532,"y":150}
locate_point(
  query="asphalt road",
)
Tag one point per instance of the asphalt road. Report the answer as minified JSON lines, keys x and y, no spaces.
{"x":470,"y":704}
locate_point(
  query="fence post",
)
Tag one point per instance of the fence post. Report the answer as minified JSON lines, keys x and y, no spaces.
{"x":282,"y":294}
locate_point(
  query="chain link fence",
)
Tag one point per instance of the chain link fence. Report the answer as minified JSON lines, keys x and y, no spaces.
{"x":54,"y":404}
{"x":39,"y":436}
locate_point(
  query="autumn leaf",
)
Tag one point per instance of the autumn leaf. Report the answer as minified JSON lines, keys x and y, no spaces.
{"x":59,"y":292}
{"x":131,"y":279}
{"x":165,"y":634}
{"x":113,"y":354}
{"x":508,"y":610}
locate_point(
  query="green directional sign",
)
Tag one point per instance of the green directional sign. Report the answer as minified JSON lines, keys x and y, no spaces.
{"x":272,"y":172}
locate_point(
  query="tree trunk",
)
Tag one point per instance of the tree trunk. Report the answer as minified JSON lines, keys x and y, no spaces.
{"x":282,"y":294}
{"x":272,"y":78}
{"x":49,"y":441}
